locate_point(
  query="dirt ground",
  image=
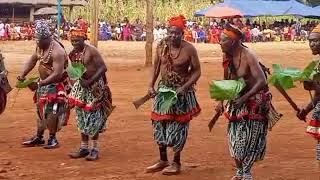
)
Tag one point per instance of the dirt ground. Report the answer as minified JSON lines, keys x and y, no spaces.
{"x":128,"y":147}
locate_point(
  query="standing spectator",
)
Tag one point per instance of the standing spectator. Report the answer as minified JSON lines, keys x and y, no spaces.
{"x":126,"y":32}
{"x":194,"y":34}
{"x":156,"y":34}
{"x":214,"y":35}
{"x":297,"y":28}
{"x":201,"y":34}
{"x":163,"y":32}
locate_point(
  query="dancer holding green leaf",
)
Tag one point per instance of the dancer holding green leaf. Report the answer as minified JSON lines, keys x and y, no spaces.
{"x":250,"y":111}
{"x":314,"y":125}
{"x":50,"y":94}
{"x":90,"y":94}
{"x":175,"y":101}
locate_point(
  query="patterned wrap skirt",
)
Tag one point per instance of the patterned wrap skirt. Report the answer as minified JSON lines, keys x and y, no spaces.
{"x":314,"y":125}
{"x":171,"y":128}
{"x":51,"y":102}
{"x":248,"y":126}
{"x":93,"y":105}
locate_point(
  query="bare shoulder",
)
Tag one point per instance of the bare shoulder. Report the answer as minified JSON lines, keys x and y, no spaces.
{"x":92,"y":49}
{"x":250,"y":55}
{"x":58,"y":51}
{"x":189,"y":47}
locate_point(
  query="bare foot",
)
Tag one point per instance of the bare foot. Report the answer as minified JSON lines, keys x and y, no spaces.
{"x":159,"y":166}
{"x":173,"y":169}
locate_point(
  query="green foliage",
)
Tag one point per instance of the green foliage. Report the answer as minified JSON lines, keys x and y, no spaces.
{"x":286,"y":77}
{"x":168,"y":98}
{"x":27,"y":82}
{"x":75,"y":70}
{"x":226,"y":89}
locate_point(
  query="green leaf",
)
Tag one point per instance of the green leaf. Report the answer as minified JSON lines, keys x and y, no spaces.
{"x":276,"y":68}
{"x":168,"y":98}
{"x":286,"y":82}
{"x":286,"y":77}
{"x":226,"y":89}
{"x":309,"y":70}
{"x":75,"y":70}
{"x":27,"y":82}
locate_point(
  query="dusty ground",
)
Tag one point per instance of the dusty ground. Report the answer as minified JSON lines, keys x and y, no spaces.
{"x":127,"y":147}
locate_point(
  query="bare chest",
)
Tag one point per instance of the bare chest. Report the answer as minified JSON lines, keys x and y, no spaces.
{"x":241,"y":67}
{"x":178,"y":61}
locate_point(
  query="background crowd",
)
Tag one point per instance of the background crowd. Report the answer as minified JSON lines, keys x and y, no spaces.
{"x":196,"y":31}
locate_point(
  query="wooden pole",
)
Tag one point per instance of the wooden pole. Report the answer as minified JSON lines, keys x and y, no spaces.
{"x":149,"y":35}
{"x":59,"y":17}
{"x":13,"y":14}
{"x":94,"y":22}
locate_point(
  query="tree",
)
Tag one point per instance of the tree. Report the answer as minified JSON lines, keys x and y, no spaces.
{"x":149,"y":31}
{"x":311,"y":2}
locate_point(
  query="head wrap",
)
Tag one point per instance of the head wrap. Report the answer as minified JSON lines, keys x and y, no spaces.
{"x":178,"y":21}
{"x":316,"y":29}
{"x":233,"y":32}
{"x":78,"y":33}
{"x":42,"y":29}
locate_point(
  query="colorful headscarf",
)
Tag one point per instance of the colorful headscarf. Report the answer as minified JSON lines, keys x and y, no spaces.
{"x":42,"y":29}
{"x":233,"y":32}
{"x":178,"y":21}
{"x":78,"y":33}
{"x":316,"y":29}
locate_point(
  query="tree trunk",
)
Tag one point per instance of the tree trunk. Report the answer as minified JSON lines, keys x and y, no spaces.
{"x":149,"y":30}
{"x":94,"y":23}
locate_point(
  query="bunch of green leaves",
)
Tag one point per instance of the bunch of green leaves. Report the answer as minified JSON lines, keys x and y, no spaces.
{"x":27,"y":82}
{"x":75,"y":70}
{"x":287,"y":76}
{"x":168,"y":98}
{"x":226,"y":89}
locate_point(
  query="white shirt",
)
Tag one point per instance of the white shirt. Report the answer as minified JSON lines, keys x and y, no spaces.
{"x":17,"y":28}
{"x":118,"y":30}
{"x":162,"y":33}
{"x":2,"y":30}
{"x":156,"y":35}
{"x":255,"y":32}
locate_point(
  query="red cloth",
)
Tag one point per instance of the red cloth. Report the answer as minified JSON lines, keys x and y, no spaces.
{"x":178,"y":21}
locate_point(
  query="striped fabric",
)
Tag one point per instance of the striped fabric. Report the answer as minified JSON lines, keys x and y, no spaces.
{"x":171,"y":133}
{"x":171,"y":128}
{"x":314,"y":125}
{"x":92,"y":112}
{"x":247,"y":141}
{"x":183,"y":111}
{"x":258,"y":107}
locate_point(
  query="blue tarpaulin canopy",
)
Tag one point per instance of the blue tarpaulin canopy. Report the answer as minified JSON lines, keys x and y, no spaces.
{"x":251,"y":8}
